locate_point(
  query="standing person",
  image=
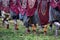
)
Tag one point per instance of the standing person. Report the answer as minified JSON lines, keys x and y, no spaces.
{"x":5,"y":12}
{"x":14,"y":12}
{"x":43,"y":11}
{"x":55,"y":13}
{"x":53,"y":5}
{"x":21,"y":8}
{"x":30,"y":19}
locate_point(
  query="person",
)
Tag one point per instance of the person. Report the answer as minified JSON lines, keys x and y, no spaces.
{"x":43,"y":12}
{"x":5,"y":12}
{"x":21,"y":9}
{"x":52,"y":11}
{"x":55,"y":14}
{"x":14,"y":12}
{"x":30,"y":19}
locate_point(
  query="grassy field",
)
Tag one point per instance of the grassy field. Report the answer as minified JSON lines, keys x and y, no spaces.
{"x":11,"y":34}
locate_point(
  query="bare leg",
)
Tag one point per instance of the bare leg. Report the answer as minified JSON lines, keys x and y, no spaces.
{"x":15,"y":24}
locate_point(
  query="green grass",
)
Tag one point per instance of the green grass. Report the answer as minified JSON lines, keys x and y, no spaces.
{"x":11,"y":34}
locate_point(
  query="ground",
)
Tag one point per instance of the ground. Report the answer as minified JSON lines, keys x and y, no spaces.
{"x":11,"y":34}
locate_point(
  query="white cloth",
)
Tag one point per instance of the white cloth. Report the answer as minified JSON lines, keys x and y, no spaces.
{"x":57,"y":23}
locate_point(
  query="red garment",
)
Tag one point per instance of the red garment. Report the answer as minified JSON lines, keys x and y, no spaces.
{"x":20,"y":8}
{"x":22,"y":11}
{"x":6,"y":9}
{"x":5,"y":5}
{"x":54,"y":3}
{"x":30,"y":11}
{"x":43,"y":12}
{"x":0,"y":5}
{"x":59,"y":4}
{"x":13,"y":6}
{"x":19,"y":4}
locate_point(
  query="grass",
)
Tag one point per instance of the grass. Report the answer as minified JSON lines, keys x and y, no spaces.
{"x":11,"y":34}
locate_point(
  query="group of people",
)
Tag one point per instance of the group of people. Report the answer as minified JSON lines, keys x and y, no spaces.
{"x":31,"y":12}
